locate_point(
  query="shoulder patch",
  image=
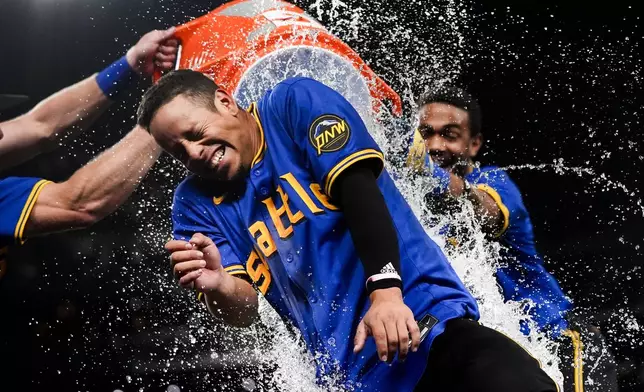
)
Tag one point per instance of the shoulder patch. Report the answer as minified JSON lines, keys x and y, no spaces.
{"x":329,"y":133}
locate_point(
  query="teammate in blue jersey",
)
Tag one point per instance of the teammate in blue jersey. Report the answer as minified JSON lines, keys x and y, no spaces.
{"x":33,"y":206}
{"x":290,"y":198}
{"x":446,"y":142}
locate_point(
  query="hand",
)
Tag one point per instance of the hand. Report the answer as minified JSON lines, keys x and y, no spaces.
{"x":196,"y":263}
{"x":391,"y":323}
{"x":155,"y":49}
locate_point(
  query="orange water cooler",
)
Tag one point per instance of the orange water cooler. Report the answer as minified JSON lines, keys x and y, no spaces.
{"x":247,"y":46}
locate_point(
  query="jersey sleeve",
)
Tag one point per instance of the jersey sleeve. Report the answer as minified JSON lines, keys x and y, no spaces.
{"x":505,"y":193}
{"x":329,"y":130}
{"x":190,"y":216}
{"x":18,"y":196}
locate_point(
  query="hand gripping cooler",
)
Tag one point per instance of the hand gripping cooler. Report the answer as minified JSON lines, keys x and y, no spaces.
{"x":248,"y":46}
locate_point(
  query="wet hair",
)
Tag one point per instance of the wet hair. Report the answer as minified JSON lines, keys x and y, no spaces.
{"x":191,"y":84}
{"x":459,"y":98}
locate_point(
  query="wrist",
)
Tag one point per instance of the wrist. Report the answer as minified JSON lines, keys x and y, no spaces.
{"x":388,"y":294}
{"x":219,"y":285}
{"x":116,"y":77}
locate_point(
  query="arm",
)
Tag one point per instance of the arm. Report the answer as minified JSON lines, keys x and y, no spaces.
{"x":73,"y":109}
{"x":375,"y":238}
{"x":58,"y":117}
{"x":485,"y":207}
{"x":450,"y":186}
{"x":197,"y":263}
{"x":95,"y":190}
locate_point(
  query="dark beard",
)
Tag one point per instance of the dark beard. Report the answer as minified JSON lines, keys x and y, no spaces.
{"x":233,"y":187}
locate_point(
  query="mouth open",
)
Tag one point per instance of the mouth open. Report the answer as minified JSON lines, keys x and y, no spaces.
{"x":218,"y":158}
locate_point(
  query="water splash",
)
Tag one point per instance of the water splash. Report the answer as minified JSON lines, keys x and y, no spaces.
{"x":388,"y":31}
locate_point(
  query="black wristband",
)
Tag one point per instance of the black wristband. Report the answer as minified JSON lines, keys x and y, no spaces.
{"x":383,"y":284}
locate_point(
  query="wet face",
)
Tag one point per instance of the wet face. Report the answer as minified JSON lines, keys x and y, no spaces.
{"x":211,"y":144}
{"x":446,"y":132}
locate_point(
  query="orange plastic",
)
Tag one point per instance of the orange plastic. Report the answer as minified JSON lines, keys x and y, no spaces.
{"x":224,"y":43}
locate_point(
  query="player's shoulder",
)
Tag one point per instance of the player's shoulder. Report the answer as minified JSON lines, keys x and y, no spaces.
{"x":191,"y":189}
{"x":296,"y":85}
{"x":493,"y":176}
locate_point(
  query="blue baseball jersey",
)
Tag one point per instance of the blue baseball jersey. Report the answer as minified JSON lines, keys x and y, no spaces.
{"x":523,"y":275}
{"x":283,"y":231}
{"x":18,"y":196}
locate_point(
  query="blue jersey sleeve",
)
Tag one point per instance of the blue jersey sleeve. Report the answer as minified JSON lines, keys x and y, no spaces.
{"x":497,"y":184}
{"x":328,"y":130}
{"x":190,"y":216}
{"x":18,"y":196}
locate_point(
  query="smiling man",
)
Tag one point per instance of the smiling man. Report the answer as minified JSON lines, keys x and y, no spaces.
{"x":290,"y":198}
{"x":447,"y":140}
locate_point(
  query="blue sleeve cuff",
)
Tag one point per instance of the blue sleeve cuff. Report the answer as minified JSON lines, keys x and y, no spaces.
{"x":115,"y":78}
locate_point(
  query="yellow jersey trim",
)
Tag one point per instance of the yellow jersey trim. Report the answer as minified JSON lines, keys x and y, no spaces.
{"x":417,"y":151}
{"x":504,"y":210}
{"x":252,"y":109}
{"x":347,"y":162}
{"x":26,"y":210}
{"x":236,"y":269}
{"x":578,"y":362}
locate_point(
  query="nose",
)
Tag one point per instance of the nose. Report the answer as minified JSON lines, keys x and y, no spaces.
{"x":194,"y":154}
{"x":434,"y":143}
{"x":1,"y":134}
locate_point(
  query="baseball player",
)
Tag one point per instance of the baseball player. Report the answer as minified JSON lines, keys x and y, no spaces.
{"x":290,"y":199}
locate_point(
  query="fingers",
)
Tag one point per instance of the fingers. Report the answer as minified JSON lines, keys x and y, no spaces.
{"x":380,"y":335}
{"x":187,"y":280}
{"x":403,"y":339}
{"x":169,"y":46}
{"x":361,"y":337}
{"x":177,"y":245}
{"x":392,"y":339}
{"x":165,"y":65}
{"x":180,"y":269}
{"x":414,"y":331}
{"x":201,"y":241}
{"x":162,"y":35}
{"x":182,"y":256}
{"x":160,"y":57}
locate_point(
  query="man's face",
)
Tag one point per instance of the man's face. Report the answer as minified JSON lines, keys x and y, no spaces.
{"x":211,"y":144}
{"x":446,"y":132}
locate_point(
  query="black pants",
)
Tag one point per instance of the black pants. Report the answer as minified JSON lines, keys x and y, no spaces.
{"x":469,"y":357}
{"x":586,"y":361}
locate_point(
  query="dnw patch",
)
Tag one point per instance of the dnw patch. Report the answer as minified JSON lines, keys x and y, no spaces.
{"x":329,"y":133}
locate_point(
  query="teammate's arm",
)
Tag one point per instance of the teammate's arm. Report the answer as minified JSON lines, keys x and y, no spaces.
{"x":485,"y":207}
{"x":74,"y":108}
{"x":95,"y":190}
{"x":197,"y":263}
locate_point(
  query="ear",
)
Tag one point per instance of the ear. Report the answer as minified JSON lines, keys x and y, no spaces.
{"x":475,"y":144}
{"x":225,"y":102}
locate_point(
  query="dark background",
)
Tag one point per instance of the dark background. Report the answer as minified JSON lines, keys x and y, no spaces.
{"x":97,"y":310}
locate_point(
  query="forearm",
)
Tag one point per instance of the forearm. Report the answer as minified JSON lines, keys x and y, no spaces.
{"x":235,"y":302}
{"x":371,"y":226}
{"x":485,"y":208}
{"x":97,"y":189}
{"x":57,"y":118}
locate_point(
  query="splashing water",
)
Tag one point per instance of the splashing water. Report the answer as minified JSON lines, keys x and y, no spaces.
{"x":273,"y":344}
